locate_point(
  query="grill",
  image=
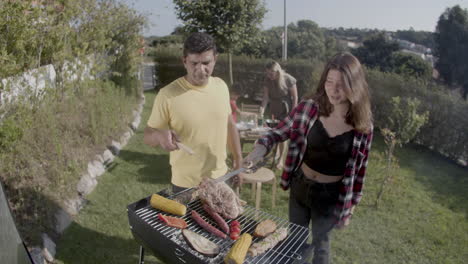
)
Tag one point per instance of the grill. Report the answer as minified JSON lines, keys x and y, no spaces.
{"x":167,"y":243}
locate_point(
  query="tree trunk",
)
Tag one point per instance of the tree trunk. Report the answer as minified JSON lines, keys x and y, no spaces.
{"x":231,"y":80}
{"x":388,"y":172}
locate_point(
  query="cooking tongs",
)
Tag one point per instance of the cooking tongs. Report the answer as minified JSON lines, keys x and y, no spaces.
{"x":227,"y":176}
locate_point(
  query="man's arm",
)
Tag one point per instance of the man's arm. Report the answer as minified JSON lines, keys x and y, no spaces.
{"x":293,"y":92}
{"x":164,"y":138}
{"x":234,"y":143}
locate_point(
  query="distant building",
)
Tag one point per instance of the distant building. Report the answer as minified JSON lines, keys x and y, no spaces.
{"x":349,"y":43}
{"x":352,"y":44}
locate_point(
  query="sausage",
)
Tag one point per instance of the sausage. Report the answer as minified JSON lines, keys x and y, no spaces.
{"x":197,"y":218}
{"x":218,"y":219}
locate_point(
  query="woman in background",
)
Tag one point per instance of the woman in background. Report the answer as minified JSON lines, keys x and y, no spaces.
{"x":330,"y":137}
{"x":280,"y":92}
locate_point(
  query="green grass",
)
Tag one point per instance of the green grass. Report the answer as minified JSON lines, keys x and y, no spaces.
{"x":422,"y":217}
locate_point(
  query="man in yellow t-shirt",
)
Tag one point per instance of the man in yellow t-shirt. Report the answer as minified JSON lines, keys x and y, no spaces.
{"x":195,"y":111}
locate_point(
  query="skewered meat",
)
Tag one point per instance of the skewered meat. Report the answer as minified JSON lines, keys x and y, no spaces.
{"x":269,"y":242}
{"x":200,"y":244}
{"x":265,"y":228}
{"x":221,"y":198}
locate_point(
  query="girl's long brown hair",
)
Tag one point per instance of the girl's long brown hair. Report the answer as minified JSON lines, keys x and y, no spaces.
{"x":357,"y":92}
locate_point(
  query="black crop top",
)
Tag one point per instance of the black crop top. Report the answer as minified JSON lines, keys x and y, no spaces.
{"x":325,"y":154}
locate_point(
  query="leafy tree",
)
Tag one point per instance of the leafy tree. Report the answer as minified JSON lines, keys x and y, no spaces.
{"x":271,"y":44}
{"x":60,"y":32}
{"x":410,"y":65}
{"x":306,"y":40}
{"x":402,"y":124}
{"x":233,"y":23}
{"x":333,"y":46}
{"x":451,"y":40}
{"x":376,"y":52}
{"x":179,"y":30}
{"x":167,"y":40}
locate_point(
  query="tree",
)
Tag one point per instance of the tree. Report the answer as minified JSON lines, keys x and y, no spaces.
{"x":271,"y":45}
{"x":451,"y":39}
{"x":376,"y":52}
{"x":424,"y":38}
{"x":306,"y":40}
{"x":410,"y":65}
{"x":232,"y":23}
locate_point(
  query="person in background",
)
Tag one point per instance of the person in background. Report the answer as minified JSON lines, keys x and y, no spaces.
{"x":194,"y":110}
{"x":234,"y":94}
{"x":280,"y":93}
{"x":331,"y":134}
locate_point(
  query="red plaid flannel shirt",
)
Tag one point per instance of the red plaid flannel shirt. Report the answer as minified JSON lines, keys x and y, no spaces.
{"x":295,"y":127}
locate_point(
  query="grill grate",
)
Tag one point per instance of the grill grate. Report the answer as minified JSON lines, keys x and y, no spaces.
{"x":285,"y":252}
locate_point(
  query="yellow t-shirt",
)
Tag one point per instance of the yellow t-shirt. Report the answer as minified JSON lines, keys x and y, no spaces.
{"x":199,"y":116}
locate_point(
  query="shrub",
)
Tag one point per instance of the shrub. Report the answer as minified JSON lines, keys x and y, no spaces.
{"x":45,"y":144}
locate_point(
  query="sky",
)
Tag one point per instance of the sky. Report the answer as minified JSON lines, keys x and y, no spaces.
{"x":374,"y":14}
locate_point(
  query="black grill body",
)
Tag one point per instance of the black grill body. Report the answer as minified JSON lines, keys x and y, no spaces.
{"x":168,"y":244}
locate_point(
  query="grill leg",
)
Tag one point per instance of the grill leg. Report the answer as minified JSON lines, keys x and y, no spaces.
{"x":142,"y":255}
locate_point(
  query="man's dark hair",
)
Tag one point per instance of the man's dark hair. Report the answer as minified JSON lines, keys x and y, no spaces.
{"x":199,"y":42}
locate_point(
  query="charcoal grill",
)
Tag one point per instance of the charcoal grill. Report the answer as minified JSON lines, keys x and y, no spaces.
{"x":168,"y":244}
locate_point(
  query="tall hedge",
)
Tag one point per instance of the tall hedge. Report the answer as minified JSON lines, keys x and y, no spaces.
{"x":445,"y":132}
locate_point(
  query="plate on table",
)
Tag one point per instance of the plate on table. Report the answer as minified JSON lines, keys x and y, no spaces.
{"x":272,"y":123}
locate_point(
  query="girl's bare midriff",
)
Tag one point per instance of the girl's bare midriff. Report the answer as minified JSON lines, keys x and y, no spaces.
{"x":317,"y":176}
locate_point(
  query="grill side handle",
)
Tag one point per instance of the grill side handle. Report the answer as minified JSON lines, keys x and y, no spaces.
{"x":140,"y":204}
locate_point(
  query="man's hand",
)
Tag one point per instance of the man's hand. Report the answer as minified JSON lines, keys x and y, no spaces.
{"x":165,"y":138}
{"x":168,"y":139}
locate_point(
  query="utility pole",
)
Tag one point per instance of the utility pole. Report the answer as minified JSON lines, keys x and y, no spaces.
{"x":285,"y":35}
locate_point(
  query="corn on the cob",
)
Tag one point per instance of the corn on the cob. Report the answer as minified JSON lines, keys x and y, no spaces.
{"x":167,"y":205}
{"x":238,"y":252}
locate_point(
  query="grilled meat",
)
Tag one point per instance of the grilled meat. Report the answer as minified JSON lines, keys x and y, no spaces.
{"x":265,"y":228}
{"x":269,"y":242}
{"x":221,"y":198}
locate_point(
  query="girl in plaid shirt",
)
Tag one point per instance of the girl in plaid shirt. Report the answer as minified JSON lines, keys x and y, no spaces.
{"x":330,"y":137}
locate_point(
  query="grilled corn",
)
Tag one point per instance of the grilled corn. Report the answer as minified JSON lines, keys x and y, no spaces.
{"x":237,"y":253}
{"x":167,"y":205}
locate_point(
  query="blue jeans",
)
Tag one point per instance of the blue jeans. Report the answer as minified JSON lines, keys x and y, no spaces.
{"x":310,"y":201}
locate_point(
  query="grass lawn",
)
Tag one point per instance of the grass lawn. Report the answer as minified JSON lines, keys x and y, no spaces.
{"x":422,"y":217}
